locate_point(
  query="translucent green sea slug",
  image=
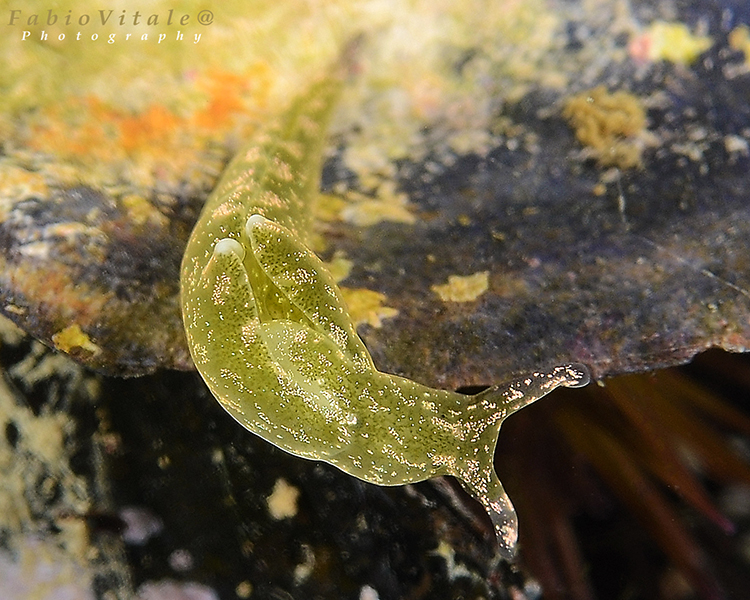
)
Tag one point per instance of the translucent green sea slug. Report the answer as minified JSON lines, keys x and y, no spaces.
{"x":269,"y":333}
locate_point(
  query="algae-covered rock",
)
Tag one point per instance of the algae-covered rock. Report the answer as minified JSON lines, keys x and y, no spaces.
{"x":449,"y":156}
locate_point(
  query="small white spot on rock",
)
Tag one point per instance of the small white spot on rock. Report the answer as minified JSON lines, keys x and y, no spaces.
{"x":140,"y":525}
{"x":303,"y":570}
{"x":244,"y":589}
{"x":368,"y":593}
{"x":181,"y":560}
{"x":282,"y":503}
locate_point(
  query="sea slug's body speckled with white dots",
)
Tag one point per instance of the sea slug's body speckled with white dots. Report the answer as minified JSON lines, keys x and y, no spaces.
{"x":269,"y":333}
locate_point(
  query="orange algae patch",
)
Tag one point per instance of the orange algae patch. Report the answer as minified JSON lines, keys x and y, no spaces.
{"x":228,"y":93}
{"x":74,"y":127}
{"x":145,"y":128}
{"x":87,"y":128}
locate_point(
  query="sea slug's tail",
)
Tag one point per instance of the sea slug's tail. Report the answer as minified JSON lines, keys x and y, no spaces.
{"x":487,"y":412}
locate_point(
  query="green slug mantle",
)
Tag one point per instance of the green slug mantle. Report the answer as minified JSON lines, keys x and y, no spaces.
{"x":269,"y":332}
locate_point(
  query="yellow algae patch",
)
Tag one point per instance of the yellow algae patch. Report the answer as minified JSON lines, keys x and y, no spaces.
{"x":388,"y":205}
{"x":366,"y":306}
{"x":370,"y":212}
{"x":739,"y":39}
{"x":609,"y":125}
{"x":670,"y":41}
{"x":339,"y":267}
{"x":282,"y":503}
{"x":19,"y":184}
{"x":328,"y":207}
{"x":141,"y":211}
{"x":463,"y":288}
{"x":73,"y":337}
